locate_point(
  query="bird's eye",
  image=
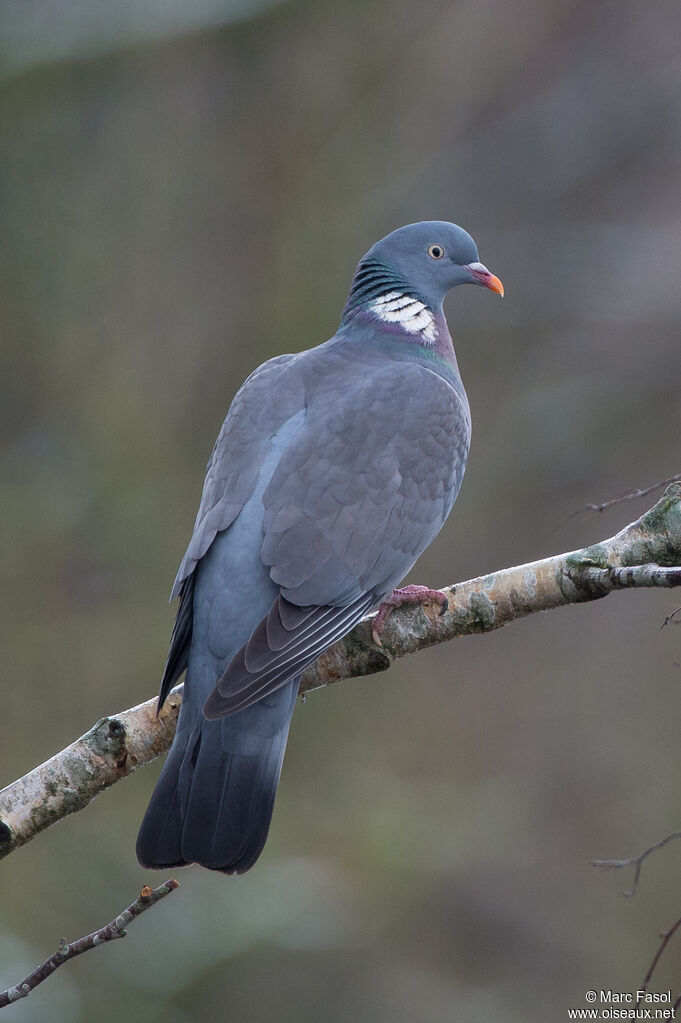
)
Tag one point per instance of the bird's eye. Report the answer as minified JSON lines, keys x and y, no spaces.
{"x":436,"y":251}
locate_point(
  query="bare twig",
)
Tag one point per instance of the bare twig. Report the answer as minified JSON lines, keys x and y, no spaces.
{"x":148,"y":897}
{"x":666,"y":938}
{"x":635,"y":861}
{"x":628,"y":495}
{"x":671,"y":617}
{"x":645,"y":553}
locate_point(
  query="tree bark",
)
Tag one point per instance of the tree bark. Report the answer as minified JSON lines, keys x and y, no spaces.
{"x":645,"y":553}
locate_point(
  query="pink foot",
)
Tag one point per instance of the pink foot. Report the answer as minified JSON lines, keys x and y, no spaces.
{"x":405,"y":595}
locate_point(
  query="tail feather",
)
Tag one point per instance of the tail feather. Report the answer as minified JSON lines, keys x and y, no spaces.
{"x":214,"y":800}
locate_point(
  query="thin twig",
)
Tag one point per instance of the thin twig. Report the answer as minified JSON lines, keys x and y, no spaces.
{"x":671,"y":616}
{"x":628,"y":495}
{"x":635,"y":861}
{"x":148,"y":897}
{"x":666,"y":938}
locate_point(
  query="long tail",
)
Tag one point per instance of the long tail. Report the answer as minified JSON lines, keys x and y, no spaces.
{"x":213,"y":802}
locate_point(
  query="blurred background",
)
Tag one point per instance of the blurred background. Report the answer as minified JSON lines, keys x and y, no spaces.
{"x":185,"y":192}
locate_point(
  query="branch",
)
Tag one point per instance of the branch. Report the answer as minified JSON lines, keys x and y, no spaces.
{"x":671,"y":617}
{"x":148,"y":897}
{"x":645,"y":553}
{"x":628,"y":495}
{"x":635,"y":861}
{"x":666,"y":938}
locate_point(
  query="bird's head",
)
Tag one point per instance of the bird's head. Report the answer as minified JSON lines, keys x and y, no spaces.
{"x":421,"y":262}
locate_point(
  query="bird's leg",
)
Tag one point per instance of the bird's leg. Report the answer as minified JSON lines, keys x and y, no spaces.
{"x":405,"y":595}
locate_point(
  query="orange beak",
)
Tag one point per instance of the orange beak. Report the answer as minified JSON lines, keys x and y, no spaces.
{"x":482,"y":276}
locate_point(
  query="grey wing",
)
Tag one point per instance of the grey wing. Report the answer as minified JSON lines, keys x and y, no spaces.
{"x":259,"y":408}
{"x":366,"y":487}
{"x":262,"y":405}
{"x":280,"y":648}
{"x":361,"y":492}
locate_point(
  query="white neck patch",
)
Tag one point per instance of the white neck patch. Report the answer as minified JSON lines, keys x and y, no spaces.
{"x":412,"y":315}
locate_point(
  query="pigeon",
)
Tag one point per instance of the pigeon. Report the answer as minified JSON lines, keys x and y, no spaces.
{"x":334,"y":469}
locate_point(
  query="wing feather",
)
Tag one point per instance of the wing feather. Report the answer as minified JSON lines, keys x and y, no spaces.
{"x":238,"y":453}
{"x":248,"y":679}
{"x":366,"y":486}
{"x":180,"y":642}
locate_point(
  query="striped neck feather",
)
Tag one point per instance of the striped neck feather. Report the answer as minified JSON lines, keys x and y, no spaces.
{"x":381,"y":292}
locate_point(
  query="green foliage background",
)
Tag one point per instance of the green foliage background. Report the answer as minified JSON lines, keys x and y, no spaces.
{"x":184,"y":195}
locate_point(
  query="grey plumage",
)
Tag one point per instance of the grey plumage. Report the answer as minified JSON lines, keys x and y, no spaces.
{"x":333,"y":471}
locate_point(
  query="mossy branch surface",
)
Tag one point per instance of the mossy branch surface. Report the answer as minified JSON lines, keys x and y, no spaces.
{"x":645,"y":553}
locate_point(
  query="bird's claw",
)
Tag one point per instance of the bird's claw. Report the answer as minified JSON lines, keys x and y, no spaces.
{"x":405,"y":595}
